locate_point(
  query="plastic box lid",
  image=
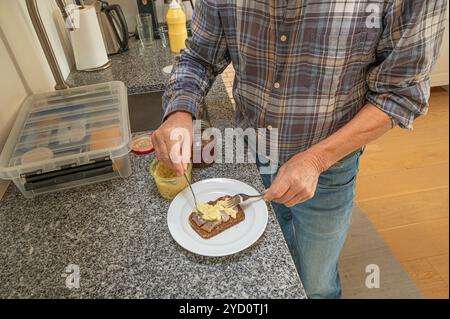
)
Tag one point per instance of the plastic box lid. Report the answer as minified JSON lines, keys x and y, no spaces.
{"x":68,"y":128}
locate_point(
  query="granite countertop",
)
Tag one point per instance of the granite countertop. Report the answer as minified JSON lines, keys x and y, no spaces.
{"x":116,"y":231}
{"x":141,"y":69}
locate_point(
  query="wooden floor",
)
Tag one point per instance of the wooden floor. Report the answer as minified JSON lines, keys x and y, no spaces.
{"x":403,"y":187}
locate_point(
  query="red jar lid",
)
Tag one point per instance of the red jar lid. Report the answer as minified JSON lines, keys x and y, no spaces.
{"x":142,"y":144}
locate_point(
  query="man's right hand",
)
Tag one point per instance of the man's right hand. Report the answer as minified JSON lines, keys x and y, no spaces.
{"x":173,"y":141}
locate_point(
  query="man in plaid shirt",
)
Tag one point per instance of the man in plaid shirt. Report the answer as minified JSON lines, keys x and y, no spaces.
{"x":331,"y":76}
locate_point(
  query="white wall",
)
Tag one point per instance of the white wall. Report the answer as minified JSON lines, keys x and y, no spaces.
{"x":440,"y":73}
{"x":24,"y":68}
{"x":19,"y":32}
{"x":12,"y":92}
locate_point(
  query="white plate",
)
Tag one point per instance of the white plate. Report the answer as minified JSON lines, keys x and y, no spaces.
{"x":230,"y":241}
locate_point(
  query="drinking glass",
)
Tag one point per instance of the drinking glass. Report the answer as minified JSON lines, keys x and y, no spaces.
{"x":145,"y":29}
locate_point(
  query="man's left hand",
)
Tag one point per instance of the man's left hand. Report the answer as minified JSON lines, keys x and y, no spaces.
{"x":296,"y":180}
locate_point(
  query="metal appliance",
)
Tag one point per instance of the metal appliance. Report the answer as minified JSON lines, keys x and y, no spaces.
{"x":113,"y":26}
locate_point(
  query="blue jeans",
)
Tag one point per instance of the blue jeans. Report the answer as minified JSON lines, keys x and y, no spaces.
{"x":315,"y":230}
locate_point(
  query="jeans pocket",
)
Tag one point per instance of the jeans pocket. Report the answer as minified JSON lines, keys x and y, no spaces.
{"x":342,"y":174}
{"x":336,"y":183}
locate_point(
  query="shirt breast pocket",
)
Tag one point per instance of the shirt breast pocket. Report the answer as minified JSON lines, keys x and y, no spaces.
{"x":336,"y":59}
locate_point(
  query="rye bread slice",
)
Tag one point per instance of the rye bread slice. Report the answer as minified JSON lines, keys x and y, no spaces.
{"x":240,"y":216}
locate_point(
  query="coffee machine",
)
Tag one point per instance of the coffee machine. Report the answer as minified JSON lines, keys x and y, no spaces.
{"x":158,"y":9}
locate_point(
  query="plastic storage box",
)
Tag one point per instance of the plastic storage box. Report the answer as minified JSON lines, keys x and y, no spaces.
{"x":69,"y":138}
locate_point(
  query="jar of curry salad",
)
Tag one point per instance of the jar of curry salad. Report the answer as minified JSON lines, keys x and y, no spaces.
{"x":167,"y":181}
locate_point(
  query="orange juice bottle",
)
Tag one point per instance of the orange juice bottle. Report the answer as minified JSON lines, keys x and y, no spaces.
{"x":176,"y":23}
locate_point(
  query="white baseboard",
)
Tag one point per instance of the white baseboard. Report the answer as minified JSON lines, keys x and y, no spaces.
{"x":440,"y":79}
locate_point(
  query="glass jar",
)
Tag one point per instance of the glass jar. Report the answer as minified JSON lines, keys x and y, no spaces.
{"x":169,"y":184}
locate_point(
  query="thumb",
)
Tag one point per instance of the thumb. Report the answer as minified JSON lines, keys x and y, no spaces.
{"x":276,"y":190}
{"x":268,"y":195}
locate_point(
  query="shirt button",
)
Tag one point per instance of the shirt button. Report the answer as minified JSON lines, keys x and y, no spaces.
{"x":276,"y":85}
{"x":269,"y":127}
{"x":283,"y":38}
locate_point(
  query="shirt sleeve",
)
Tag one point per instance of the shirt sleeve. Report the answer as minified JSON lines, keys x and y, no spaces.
{"x":399,"y":81}
{"x":195,"y":69}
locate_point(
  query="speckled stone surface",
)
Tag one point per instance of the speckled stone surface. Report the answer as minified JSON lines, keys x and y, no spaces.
{"x":141,"y":69}
{"x":117,"y":233}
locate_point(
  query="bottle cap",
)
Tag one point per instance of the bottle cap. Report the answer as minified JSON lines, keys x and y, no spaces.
{"x":174,"y":4}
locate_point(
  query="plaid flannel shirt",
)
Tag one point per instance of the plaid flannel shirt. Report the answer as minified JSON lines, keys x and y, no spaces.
{"x":308,"y":67}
